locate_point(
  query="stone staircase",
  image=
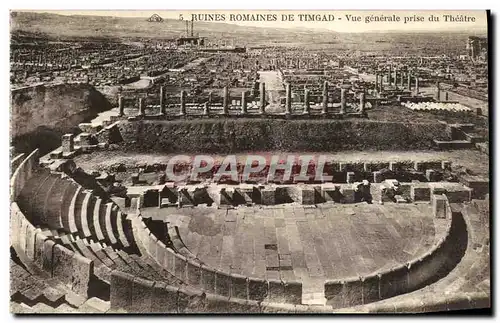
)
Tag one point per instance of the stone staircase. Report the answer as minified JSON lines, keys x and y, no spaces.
{"x":463,"y":136}
{"x":313,"y":291}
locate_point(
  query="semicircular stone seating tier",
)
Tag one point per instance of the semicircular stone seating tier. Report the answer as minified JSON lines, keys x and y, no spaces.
{"x":87,"y":224}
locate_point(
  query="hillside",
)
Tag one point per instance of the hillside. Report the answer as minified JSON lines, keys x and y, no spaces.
{"x":33,"y":26}
{"x":100,"y":27}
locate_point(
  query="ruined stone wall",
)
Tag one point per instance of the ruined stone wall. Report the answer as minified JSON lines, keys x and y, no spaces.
{"x":225,"y":135}
{"x":41,"y":114}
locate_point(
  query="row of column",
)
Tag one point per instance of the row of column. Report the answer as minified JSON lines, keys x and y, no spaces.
{"x":379,"y":82}
{"x":262,"y":103}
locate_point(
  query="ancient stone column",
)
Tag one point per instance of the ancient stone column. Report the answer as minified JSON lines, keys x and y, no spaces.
{"x":244,"y":102}
{"x":206,"y":108}
{"x":389,"y":76}
{"x":162,"y":102}
{"x":225,"y":101}
{"x":401,"y":80}
{"x":121,"y":111}
{"x":68,"y":144}
{"x":342,"y":100}
{"x":307,"y":108}
{"x":255,"y":86}
{"x":409,"y":82}
{"x":141,"y":107}
{"x":396,"y":77}
{"x":262,"y":97}
{"x":416,"y":85}
{"x":325,"y":97}
{"x":381,"y":84}
{"x":376,"y":81}
{"x":183,"y":103}
{"x":438,"y":91}
{"x":362,"y":102}
{"x":288,"y":104}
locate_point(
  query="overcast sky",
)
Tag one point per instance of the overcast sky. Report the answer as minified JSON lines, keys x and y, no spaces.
{"x":340,"y":25}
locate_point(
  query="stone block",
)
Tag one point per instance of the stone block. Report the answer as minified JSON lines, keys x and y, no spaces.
{"x":239,"y":286}
{"x":420,"y":192}
{"x":446,"y":165}
{"x":142,"y":295}
{"x":276,"y":291}
{"x":30,"y":242}
{"x":331,"y":192}
{"x":121,"y":290}
{"x":190,"y":300}
{"x":378,"y":177}
{"x":370,"y":289}
{"x":350,"y":177}
{"x":207,"y":279}
{"x":459,"y":194}
{"x":169,"y":263}
{"x":222,"y":283}
{"x":180,"y":267}
{"x":268,"y":196}
{"x":62,"y":263}
{"x":257,"y":289}
{"x":307,"y":195}
{"x":226,"y":196}
{"x":39,"y":250}
{"x":430,"y":174}
{"x":293,"y":292}
{"x":439,"y":206}
{"x":353,"y":293}
{"x":193,"y":274}
{"x":164,"y":299}
{"x":348,"y":194}
{"x":83,"y":269}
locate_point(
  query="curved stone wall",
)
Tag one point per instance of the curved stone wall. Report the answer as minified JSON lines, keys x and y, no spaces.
{"x":215,"y":281}
{"x":431,"y":266}
{"x":34,"y":248}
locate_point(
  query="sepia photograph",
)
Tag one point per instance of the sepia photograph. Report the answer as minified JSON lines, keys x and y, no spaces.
{"x":249,"y":162}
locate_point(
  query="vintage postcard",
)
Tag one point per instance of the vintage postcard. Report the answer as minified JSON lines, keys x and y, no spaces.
{"x":249,"y":162}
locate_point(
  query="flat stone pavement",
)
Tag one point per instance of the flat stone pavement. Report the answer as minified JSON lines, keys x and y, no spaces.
{"x":273,"y":88}
{"x":294,"y":242}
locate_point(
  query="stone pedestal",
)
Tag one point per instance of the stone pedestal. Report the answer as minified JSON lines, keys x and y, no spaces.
{"x":430,"y":174}
{"x":268,"y":196}
{"x":307,"y":194}
{"x":420,"y":192}
{"x":350,"y":177}
{"x":348,"y":194}
{"x":67,"y":144}
{"x":439,"y":206}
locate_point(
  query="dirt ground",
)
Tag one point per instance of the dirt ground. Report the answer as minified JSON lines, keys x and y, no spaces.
{"x":471,"y":159}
